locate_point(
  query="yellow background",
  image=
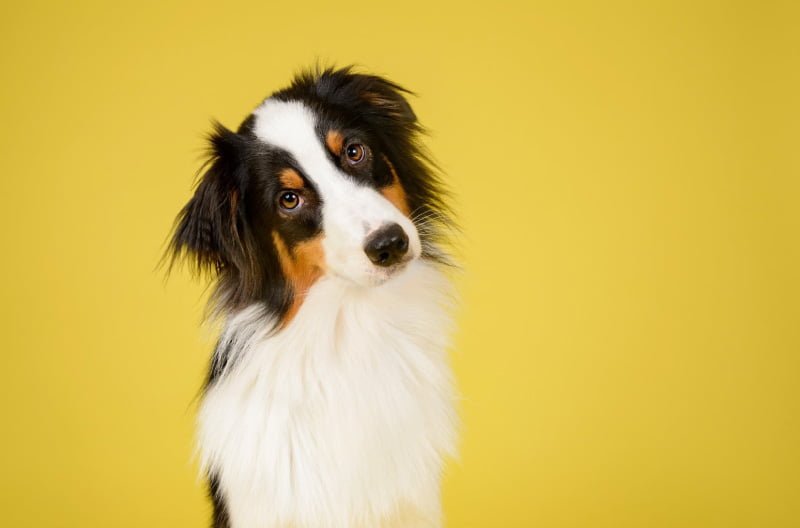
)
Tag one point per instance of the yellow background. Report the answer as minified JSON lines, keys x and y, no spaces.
{"x":627,"y":178}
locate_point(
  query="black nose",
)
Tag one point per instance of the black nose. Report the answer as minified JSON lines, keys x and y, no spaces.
{"x":387,"y":245}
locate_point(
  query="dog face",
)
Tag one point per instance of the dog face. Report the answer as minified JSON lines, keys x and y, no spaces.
{"x":322,"y":178}
{"x":339,"y":206}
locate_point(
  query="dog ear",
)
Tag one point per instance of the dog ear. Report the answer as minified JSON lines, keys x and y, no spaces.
{"x":385,"y":100}
{"x":210,"y":230}
{"x":387,"y":97}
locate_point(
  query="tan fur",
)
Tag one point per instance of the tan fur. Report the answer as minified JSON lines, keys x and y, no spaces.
{"x":395,"y":192}
{"x":334,"y":140}
{"x":302,"y":266}
{"x":290,"y":179}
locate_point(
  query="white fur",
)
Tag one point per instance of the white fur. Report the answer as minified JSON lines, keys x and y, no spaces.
{"x":342,"y":419}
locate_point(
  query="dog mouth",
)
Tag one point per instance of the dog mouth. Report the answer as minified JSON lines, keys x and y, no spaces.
{"x":373,"y":276}
{"x":382,"y":274}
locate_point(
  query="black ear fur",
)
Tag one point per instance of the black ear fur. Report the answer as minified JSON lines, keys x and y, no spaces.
{"x":210,"y":230}
{"x":386,"y":98}
{"x":375,"y":98}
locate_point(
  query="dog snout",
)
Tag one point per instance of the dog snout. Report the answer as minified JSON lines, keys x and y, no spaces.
{"x":387,"y":246}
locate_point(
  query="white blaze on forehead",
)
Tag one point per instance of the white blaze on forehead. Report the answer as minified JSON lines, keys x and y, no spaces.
{"x":350,"y":211}
{"x":291,"y":125}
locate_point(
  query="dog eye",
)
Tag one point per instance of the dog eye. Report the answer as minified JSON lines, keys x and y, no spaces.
{"x":289,"y":200}
{"x":356,"y":153}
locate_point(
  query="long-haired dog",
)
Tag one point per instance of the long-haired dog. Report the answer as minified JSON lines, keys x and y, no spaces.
{"x":329,"y":401}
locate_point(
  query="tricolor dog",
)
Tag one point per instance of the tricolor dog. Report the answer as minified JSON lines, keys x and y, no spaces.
{"x":329,"y":401}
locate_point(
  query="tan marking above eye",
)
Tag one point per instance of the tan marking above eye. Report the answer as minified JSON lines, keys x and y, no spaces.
{"x":334,"y":140}
{"x":290,"y":179}
{"x":394,"y":192}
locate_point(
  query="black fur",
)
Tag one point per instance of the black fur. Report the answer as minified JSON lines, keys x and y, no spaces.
{"x":219,"y":230}
{"x":220,"y":512}
{"x":225,"y":228}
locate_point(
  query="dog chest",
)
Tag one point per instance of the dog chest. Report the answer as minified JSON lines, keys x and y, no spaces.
{"x":340,"y":419}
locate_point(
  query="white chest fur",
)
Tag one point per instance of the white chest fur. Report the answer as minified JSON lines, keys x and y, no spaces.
{"x":343,"y":418}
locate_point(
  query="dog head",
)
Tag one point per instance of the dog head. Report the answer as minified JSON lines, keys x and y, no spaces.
{"x":325,"y":177}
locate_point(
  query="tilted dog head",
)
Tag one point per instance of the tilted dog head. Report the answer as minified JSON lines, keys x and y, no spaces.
{"x":325,"y":177}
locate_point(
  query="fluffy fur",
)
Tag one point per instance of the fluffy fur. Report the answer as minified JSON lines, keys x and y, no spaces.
{"x":329,"y":401}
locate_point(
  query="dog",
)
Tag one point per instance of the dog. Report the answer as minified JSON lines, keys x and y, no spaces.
{"x":321,"y":220}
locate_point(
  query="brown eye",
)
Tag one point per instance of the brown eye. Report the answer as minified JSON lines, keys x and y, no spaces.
{"x":289,"y":200}
{"x":355,"y":152}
